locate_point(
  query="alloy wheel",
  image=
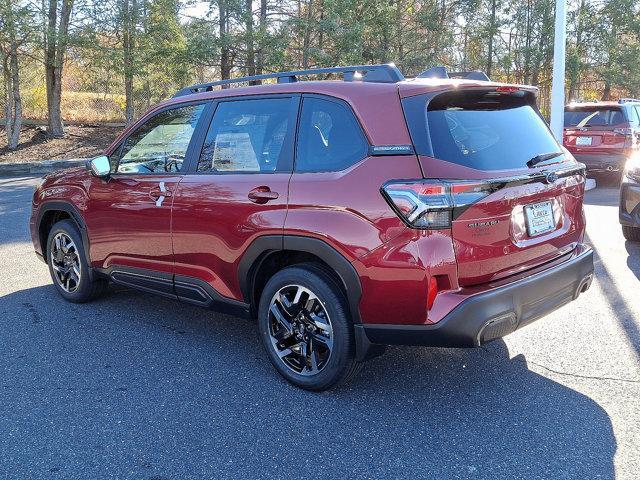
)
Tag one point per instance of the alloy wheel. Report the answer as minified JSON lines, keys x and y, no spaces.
{"x":65,"y":262}
{"x":300,"y":330}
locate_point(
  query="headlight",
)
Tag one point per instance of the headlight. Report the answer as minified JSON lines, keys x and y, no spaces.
{"x":632,"y":167}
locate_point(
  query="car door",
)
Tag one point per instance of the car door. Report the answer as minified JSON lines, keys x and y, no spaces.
{"x":236,"y":191}
{"x":130,"y":221}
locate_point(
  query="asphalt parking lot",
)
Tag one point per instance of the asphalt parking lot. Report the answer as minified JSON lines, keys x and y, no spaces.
{"x":133,"y":386}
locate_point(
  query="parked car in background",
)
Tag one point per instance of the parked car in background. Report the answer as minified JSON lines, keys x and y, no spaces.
{"x":630,"y":199}
{"x":603,"y":135}
{"x":343,"y":215}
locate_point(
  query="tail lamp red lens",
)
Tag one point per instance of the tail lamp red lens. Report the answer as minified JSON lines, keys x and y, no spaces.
{"x":429,"y":204}
{"x":432,"y":291}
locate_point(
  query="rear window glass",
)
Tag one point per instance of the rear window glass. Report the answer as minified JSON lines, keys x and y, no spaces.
{"x":593,"y":117}
{"x":487,"y":131}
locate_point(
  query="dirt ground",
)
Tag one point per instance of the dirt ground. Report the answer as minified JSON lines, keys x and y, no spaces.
{"x":78,"y":142}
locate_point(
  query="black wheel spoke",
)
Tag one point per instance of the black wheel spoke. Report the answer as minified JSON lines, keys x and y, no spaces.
{"x":313,"y":359}
{"x":322,"y":340}
{"x":281,"y":319}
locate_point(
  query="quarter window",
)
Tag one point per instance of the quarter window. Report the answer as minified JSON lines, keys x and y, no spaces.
{"x":329,"y":137}
{"x":248,"y":136}
{"x":160,"y":144}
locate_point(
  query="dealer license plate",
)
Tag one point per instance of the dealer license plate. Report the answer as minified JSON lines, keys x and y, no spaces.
{"x":584,"y":141}
{"x":539,"y":218}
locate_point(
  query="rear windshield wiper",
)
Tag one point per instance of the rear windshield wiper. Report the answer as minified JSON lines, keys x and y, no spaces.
{"x":542,"y":157}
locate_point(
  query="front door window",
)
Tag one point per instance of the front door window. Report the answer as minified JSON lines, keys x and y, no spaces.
{"x":160,"y":144}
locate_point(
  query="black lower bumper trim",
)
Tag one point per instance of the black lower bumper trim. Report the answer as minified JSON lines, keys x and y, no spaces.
{"x":492,"y":314}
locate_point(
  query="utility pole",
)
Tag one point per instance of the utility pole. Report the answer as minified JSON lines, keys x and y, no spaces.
{"x":557,"y":87}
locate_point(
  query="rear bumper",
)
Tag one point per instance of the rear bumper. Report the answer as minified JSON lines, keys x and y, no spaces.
{"x":603,"y":162}
{"x":493,"y":313}
{"x":630,"y":203}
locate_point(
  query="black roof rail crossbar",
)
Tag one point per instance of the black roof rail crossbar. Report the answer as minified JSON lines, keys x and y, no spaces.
{"x":442,"y":72}
{"x":386,"y":73}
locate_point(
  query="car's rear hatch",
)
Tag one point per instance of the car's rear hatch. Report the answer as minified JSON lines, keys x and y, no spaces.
{"x":593,"y":130}
{"x":509,"y":211}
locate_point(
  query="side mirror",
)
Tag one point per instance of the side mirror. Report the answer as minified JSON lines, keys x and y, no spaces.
{"x":100,"y":166}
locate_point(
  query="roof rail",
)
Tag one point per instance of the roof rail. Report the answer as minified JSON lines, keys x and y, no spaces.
{"x":628,"y":100}
{"x":442,"y":72}
{"x":385,"y":73}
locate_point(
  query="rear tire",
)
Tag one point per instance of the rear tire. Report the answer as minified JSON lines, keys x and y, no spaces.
{"x":631,"y":233}
{"x":306,"y":329}
{"x":68,"y":265}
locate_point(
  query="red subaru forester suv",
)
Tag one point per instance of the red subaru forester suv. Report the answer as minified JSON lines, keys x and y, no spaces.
{"x":344,"y":215}
{"x":603,"y":135}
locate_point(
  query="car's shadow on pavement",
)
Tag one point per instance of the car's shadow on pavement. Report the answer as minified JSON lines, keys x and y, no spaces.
{"x":143,"y":387}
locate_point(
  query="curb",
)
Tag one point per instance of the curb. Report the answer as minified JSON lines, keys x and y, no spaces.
{"x":46,"y":166}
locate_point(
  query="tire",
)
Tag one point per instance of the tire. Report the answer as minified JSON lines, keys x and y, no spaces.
{"x":327,"y":321}
{"x":631,"y":233}
{"x":78,"y":284}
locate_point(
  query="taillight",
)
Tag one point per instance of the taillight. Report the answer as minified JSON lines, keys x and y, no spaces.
{"x":631,"y":135}
{"x":627,"y":132}
{"x":430,"y":204}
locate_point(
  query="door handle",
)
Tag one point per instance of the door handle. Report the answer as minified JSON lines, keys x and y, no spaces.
{"x":159,"y":194}
{"x":262,"y":195}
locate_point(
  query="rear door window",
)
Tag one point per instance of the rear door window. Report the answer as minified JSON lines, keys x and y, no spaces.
{"x":329,"y":137}
{"x":487,"y":130}
{"x":593,"y":117}
{"x":249,"y":136}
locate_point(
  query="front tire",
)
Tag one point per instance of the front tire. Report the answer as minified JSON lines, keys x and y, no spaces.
{"x":68,"y":265}
{"x":305,"y":327}
{"x":631,"y":233}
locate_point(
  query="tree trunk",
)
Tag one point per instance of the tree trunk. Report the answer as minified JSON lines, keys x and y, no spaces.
{"x":225,"y":55}
{"x":11,"y":74}
{"x":251,"y":53}
{"x":492,"y":29}
{"x":130,"y":9}
{"x":306,"y":43}
{"x":606,"y":93}
{"x":13,"y":135}
{"x":574,"y":72}
{"x":527,"y":46}
{"x":8,"y":108}
{"x":262,"y":37}
{"x":56,"y":44}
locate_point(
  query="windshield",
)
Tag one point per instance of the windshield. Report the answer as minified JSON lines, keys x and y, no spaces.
{"x":488,"y":130}
{"x":593,"y":117}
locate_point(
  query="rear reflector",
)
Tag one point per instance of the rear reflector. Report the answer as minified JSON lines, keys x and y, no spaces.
{"x":433,"y":291}
{"x":429,"y":204}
